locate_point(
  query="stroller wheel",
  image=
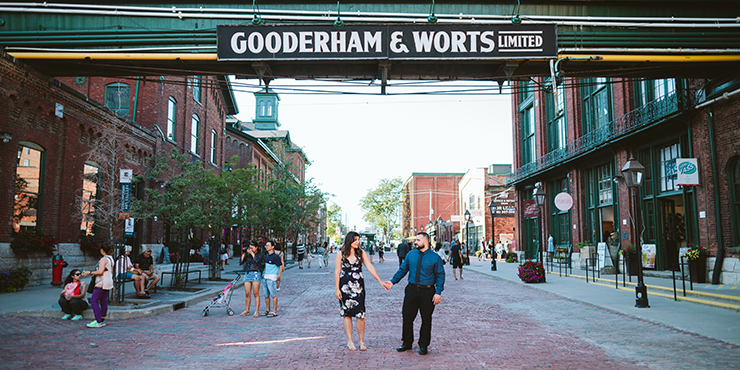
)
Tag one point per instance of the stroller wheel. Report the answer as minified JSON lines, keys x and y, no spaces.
{"x":230,"y":312}
{"x":205,"y":311}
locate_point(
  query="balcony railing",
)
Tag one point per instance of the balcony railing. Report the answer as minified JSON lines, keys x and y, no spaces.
{"x":654,"y":111}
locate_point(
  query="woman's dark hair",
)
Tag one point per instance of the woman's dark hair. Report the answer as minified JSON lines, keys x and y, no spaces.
{"x":107,"y":247}
{"x":70,"y":277}
{"x":347,"y":246}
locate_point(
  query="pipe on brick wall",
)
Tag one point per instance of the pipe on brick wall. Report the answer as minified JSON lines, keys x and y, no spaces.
{"x":717,"y":202}
{"x":136,"y":98}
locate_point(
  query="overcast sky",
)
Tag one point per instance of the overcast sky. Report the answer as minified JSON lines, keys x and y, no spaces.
{"x":353,"y":141}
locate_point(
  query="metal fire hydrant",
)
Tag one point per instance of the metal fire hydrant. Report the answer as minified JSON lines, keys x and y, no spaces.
{"x":57,"y":264}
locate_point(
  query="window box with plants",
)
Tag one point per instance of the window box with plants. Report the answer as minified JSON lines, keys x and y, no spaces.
{"x":27,"y":244}
{"x":697,"y":258}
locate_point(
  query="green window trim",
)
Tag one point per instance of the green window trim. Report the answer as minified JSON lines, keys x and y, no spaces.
{"x":117,"y":96}
{"x":596,"y":104}
{"x":528,"y":124}
{"x":195,"y":135}
{"x":557,"y":130}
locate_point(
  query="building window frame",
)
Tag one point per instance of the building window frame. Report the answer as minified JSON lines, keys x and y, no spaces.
{"x":171,"y":119}
{"x":733,"y":177}
{"x":596,"y":99}
{"x":527,"y":120}
{"x":197,"y":88}
{"x":195,"y":135}
{"x":557,"y":129}
{"x":89,"y":198}
{"x":667,"y":170}
{"x":117,"y":96}
{"x":214,"y":142}
{"x":25,"y":189}
{"x":650,"y":90}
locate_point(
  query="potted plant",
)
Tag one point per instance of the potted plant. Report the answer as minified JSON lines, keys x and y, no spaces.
{"x":511,"y":257}
{"x":532,"y":272}
{"x":697,"y":257}
{"x":14,"y":280}
{"x":629,"y":252}
{"x":25,"y":244}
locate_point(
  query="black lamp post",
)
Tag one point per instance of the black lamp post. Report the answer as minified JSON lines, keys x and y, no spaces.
{"x":632,"y":173}
{"x":492,"y":211}
{"x":467,"y":236}
{"x":539,"y":198}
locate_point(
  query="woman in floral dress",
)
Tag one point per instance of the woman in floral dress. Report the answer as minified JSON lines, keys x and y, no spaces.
{"x":350,"y":286}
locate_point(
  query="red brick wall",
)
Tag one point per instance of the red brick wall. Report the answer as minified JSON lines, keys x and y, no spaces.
{"x":444,"y":189}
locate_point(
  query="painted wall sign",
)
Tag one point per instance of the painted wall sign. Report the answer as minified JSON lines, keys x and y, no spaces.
{"x":688,"y":172}
{"x":393,"y":42}
{"x":530,"y":208}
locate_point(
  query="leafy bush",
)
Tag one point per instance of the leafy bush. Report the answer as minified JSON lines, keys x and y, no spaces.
{"x":14,"y":280}
{"x":531,"y":272}
{"x":695,"y":252}
{"x":511,"y":257}
{"x":25,"y":244}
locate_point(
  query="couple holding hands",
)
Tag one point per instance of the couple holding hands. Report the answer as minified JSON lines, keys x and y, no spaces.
{"x":422,"y":294}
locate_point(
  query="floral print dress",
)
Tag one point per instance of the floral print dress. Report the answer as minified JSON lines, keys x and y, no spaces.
{"x":352,"y":285}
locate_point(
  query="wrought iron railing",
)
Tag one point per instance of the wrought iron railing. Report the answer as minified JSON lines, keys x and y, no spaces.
{"x":654,"y":111}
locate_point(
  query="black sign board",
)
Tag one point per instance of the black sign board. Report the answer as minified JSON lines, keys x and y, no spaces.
{"x":392,"y":42}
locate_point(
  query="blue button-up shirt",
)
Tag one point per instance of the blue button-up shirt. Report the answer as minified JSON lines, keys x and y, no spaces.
{"x":432,"y":269}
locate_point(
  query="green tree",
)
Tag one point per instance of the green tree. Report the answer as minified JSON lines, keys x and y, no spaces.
{"x":334,"y":220}
{"x":381,"y":204}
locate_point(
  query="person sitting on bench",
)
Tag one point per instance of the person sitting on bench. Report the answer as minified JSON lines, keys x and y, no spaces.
{"x":125,"y":271}
{"x":145,"y":266}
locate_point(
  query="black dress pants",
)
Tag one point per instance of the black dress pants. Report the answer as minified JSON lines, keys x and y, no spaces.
{"x":73,"y":306}
{"x":418,"y":300}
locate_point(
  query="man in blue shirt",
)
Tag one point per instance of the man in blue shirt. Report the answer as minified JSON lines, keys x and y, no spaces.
{"x":423,"y":292}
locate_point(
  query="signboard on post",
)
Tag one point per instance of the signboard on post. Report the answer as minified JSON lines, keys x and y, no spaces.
{"x":688,"y":172}
{"x":124,"y":195}
{"x":386,"y":42}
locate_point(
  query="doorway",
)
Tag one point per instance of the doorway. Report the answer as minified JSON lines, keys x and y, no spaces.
{"x":672,"y":235}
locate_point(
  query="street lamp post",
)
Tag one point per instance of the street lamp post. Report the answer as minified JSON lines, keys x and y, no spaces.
{"x":492,"y":211}
{"x":467,"y":236}
{"x":539,"y":198}
{"x":632,"y":173}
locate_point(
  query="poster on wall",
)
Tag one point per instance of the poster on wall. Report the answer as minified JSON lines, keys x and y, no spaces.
{"x":648,"y":256}
{"x":688,"y":172}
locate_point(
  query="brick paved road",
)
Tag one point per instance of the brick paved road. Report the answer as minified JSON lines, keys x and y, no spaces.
{"x":482,"y":323}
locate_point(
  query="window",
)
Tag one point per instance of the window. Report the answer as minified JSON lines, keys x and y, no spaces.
{"x":668,"y":170}
{"x":90,"y":181}
{"x":196,"y":88}
{"x":596,"y":103}
{"x":605,"y":184}
{"x":194,"y":138}
{"x":28,"y":180}
{"x":557,"y":133}
{"x":526,"y":116}
{"x":213,"y":146}
{"x":560,"y":220}
{"x":649,"y":90}
{"x":117,"y":98}
{"x":171,"y":118}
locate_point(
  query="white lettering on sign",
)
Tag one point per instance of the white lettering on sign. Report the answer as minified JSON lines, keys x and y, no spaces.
{"x":396,"y":39}
{"x":238,"y":45}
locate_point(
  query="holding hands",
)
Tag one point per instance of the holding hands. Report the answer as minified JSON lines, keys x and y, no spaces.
{"x":387,"y":285}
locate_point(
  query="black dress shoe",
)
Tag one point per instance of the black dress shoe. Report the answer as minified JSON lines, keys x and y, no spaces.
{"x":423,"y":350}
{"x":404,"y":347}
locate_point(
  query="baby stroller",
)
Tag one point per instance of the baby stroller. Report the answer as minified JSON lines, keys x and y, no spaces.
{"x":223,"y":299}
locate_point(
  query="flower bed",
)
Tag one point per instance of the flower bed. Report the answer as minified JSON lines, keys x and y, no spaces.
{"x":25,"y":244}
{"x":532,"y":272}
{"x":14,"y":280}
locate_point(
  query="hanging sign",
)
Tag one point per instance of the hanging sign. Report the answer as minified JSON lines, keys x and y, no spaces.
{"x":688,"y":172}
{"x":392,"y":42}
{"x":563,"y":201}
{"x":530,"y":208}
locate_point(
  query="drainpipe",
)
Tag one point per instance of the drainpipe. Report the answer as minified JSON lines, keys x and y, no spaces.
{"x":717,"y":203}
{"x":136,"y":98}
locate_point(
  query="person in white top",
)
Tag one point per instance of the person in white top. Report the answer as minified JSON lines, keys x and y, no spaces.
{"x":103,"y":284}
{"x":125,"y":270}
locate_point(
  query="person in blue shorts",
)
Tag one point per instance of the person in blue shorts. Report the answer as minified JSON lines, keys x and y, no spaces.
{"x":273,"y":270}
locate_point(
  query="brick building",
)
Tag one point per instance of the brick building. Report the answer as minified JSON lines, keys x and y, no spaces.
{"x":48,"y":128}
{"x":476,"y":189}
{"x":431,"y":199}
{"x":577,"y":140}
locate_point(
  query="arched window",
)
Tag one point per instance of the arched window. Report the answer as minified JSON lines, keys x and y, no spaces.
{"x":117,"y":98}
{"x":89,"y":198}
{"x":28,"y":186}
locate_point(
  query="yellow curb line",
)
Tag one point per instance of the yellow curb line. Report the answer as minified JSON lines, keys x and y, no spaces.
{"x":712,"y":295}
{"x":681,"y":298}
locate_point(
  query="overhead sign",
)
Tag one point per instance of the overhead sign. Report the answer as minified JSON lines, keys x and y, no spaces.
{"x":688,"y":172}
{"x":392,"y":42}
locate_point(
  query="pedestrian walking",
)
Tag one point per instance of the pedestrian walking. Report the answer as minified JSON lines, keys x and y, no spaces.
{"x":253,"y":262}
{"x":403,"y":250}
{"x":273,"y":271}
{"x":350,"y":286}
{"x":301,"y":252}
{"x":423,"y":292}
{"x":103,"y":284}
{"x":381,"y":252}
{"x":457,"y":259}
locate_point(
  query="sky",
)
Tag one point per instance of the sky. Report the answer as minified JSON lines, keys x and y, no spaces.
{"x":355,"y":139}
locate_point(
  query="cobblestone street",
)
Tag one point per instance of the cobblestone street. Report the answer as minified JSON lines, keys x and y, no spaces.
{"x":482,"y":323}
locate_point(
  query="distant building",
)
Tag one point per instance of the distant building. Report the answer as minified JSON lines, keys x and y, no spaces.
{"x":429,"y":202}
{"x":476,"y":189}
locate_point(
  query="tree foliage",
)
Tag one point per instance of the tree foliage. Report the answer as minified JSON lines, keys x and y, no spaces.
{"x":334,"y":220}
{"x":381,"y":204}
